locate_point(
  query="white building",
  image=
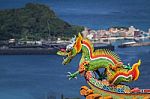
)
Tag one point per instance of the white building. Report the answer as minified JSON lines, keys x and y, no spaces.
{"x":131,"y":31}
{"x":149,"y":30}
{"x":11,"y":40}
{"x":90,"y":36}
{"x":85,"y":32}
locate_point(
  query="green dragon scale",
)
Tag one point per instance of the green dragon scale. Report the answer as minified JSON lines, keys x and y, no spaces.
{"x":115,"y":71}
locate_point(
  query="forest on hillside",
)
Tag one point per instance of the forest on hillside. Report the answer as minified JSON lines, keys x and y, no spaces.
{"x":34,"y":22}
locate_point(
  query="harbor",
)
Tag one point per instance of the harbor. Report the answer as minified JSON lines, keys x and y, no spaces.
{"x":12,"y":47}
{"x":44,"y":49}
{"x":30,"y":48}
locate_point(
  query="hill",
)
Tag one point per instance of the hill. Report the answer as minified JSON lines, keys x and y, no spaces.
{"x":34,"y":21}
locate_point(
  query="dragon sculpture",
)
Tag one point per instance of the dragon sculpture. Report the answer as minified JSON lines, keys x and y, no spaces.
{"x":92,"y":60}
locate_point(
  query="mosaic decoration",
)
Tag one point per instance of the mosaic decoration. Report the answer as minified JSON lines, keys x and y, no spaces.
{"x":106,"y":83}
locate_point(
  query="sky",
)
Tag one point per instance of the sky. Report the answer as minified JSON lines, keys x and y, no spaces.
{"x":119,"y":12}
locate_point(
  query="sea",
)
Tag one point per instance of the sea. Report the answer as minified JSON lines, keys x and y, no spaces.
{"x":44,"y":76}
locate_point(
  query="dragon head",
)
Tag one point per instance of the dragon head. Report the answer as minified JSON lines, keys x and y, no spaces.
{"x":72,"y":49}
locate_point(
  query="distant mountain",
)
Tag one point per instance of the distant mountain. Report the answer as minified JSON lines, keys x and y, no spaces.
{"x":34,"y":21}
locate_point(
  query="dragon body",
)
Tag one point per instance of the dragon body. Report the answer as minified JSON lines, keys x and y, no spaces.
{"x":107,"y":83}
{"x":92,"y":60}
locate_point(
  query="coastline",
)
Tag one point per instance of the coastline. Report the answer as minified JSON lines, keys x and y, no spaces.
{"x":45,"y":51}
{"x":28,"y":51}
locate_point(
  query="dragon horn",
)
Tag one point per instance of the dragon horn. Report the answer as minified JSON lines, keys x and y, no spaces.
{"x":69,"y":72}
{"x":79,"y":35}
{"x":139,"y":62}
{"x":69,"y":78}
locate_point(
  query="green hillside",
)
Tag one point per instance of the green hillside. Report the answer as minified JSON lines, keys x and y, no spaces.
{"x":34,"y":21}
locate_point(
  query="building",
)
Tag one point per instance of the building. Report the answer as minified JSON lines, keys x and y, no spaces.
{"x":11,"y":41}
{"x":103,"y":34}
{"x":131,"y":31}
{"x":137,"y":33}
{"x":85,"y":32}
{"x":149,"y":30}
{"x":119,"y":31}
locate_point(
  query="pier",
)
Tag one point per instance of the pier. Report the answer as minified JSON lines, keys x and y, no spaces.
{"x":133,"y":44}
{"x":27,"y":51}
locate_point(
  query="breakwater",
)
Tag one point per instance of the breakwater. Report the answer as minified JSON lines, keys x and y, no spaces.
{"x":134,"y":44}
{"x":28,"y":51}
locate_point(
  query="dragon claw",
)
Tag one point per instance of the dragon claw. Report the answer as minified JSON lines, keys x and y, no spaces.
{"x":71,"y":76}
{"x":69,"y":73}
{"x":75,"y":77}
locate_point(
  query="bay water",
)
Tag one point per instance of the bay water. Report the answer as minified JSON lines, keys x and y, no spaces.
{"x":43,"y":76}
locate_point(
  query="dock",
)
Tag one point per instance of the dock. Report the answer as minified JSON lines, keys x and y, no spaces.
{"x":42,"y":50}
{"x":133,"y":44}
{"x":27,"y":51}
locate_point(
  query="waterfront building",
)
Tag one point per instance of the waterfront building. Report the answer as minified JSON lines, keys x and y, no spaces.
{"x":12,"y":41}
{"x":113,"y":30}
{"x":149,"y":30}
{"x":102,"y":34}
{"x":115,"y":34}
{"x":137,"y":33}
{"x":131,"y":31}
{"x":90,"y":36}
{"x":85,"y":32}
{"x":119,"y":31}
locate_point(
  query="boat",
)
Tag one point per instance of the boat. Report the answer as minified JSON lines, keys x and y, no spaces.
{"x":134,"y":44}
{"x":104,"y":46}
{"x":126,"y":44}
{"x":44,"y":49}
